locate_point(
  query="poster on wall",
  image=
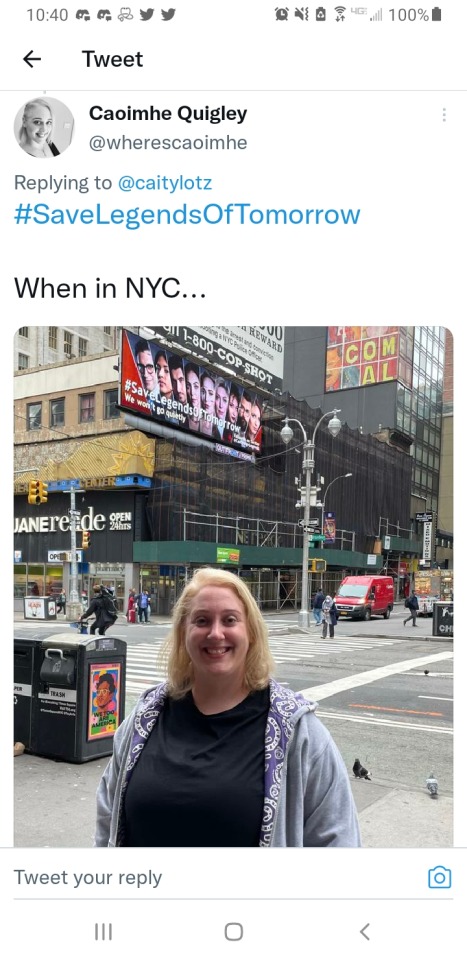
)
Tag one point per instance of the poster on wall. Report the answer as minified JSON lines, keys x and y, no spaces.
{"x":169,"y":389}
{"x":104,"y":697}
{"x":361,"y":356}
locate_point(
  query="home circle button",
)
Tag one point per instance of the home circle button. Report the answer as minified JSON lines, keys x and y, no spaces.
{"x":233,"y":931}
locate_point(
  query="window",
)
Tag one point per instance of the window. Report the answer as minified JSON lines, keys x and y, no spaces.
{"x":107,"y":331}
{"x":23,"y":361}
{"x":82,"y":347}
{"x":68,"y":344}
{"x":23,"y":331}
{"x":57,"y":412}
{"x":34,"y":416}
{"x":53,"y":338}
{"x":110,"y":404}
{"x":87,"y":407}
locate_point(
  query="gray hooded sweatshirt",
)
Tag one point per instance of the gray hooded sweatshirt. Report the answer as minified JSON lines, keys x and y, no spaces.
{"x":308,"y":800}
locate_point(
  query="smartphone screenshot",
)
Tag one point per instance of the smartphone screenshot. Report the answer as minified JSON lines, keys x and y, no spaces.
{"x":231,"y":266}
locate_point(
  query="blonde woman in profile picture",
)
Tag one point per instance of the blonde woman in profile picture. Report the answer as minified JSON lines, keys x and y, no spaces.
{"x":35,"y":134}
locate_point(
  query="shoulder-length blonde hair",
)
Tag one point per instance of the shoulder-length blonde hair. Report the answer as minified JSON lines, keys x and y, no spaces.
{"x":259,"y":664}
{"x":30,"y":106}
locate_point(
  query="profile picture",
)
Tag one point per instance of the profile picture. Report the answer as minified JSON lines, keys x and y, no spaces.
{"x":44,"y":127}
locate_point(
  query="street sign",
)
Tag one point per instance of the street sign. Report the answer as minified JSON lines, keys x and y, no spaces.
{"x":317,"y":538}
{"x":424,"y":517}
{"x":314,"y":522}
{"x":64,"y":556}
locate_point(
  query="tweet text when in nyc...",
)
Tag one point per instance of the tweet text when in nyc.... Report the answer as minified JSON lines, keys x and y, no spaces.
{"x":256,"y":194}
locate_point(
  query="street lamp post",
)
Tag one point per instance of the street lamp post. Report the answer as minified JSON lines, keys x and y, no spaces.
{"x":308,"y":467}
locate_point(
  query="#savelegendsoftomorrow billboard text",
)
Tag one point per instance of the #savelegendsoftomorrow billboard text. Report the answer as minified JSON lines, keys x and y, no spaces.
{"x":164,"y":387}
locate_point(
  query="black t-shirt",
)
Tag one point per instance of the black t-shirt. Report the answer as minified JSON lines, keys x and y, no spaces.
{"x":199,"y":781}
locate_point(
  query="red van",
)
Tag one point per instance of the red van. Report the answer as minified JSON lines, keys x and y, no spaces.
{"x":362,"y":598}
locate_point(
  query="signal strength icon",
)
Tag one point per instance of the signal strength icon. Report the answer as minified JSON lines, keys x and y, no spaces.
{"x":340,"y":13}
{"x":378,"y":15}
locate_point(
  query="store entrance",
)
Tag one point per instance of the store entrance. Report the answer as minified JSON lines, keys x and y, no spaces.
{"x":116,"y":584}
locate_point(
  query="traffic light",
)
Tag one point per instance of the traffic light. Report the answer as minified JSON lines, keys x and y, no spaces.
{"x":37,"y":492}
{"x":86,"y":540}
{"x":318,"y":566}
{"x":34,"y":492}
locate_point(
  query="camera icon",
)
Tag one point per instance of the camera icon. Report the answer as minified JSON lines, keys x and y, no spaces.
{"x":439,"y":877}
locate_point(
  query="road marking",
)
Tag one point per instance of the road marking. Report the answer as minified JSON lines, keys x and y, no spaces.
{"x":325,"y":690}
{"x":380,"y":721}
{"x":371,"y":706}
{"x":421,"y":697}
{"x":421,"y":673}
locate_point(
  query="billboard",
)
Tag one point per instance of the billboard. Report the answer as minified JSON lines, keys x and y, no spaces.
{"x":361,"y":356}
{"x":176,"y":391}
{"x":256,"y":353}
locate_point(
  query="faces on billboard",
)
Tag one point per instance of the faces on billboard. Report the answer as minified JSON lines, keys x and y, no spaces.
{"x":163,"y":375}
{"x":221,"y":400}
{"x":164,"y":387}
{"x":208,"y":396}
{"x":234,"y":403}
{"x":145,"y":364}
{"x":177,"y":377}
{"x":193,"y":390}
{"x":254,"y":423}
{"x":244,"y":411}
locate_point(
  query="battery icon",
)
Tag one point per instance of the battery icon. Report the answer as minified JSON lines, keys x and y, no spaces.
{"x":436,"y":13}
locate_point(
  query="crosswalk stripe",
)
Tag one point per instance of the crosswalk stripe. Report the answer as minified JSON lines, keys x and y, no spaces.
{"x":144,"y":666}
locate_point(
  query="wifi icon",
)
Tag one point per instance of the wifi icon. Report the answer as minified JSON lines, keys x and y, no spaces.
{"x":340,"y":13}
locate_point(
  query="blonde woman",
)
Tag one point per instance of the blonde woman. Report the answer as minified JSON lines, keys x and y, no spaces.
{"x":35,"y":135}
{"x":221,"y":755}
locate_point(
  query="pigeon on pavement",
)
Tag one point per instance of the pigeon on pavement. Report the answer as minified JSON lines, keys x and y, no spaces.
{"x":432,"y":785}
{"x":360,"y":771}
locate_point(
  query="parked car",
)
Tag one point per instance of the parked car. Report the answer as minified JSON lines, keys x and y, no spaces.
{"x":361,"y":598}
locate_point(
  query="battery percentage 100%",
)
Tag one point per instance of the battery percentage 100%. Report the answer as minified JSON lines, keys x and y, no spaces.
{"x":410,"y":14}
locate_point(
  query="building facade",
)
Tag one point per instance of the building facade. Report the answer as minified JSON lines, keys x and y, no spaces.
{"x":157,"y":506}
{"x":387,"y":381}
{"x":41,"y":346}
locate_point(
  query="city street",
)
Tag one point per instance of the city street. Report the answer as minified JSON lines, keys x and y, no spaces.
{"x":385,"y":692}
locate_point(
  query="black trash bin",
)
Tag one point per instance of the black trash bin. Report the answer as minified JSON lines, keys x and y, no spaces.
{"x":443,"y":619}
{"x":25,"y":659}
{"x":80,"y":699}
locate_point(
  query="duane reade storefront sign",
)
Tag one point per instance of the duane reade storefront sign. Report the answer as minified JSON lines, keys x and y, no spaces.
{"x":90,"y":521}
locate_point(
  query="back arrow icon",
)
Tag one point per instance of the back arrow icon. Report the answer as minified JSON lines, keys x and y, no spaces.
{"x":27,"y":59}
{"x":362,"y":931}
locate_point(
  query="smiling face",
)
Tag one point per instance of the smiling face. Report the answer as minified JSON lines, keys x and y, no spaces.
{"x":37,"y":124}
{"x":163,"y":376}
{"x":207,"y":394}
{"x":221,"y":401}
{"x":216,"y":636}
{"x":145,"y":364}
{"x":178,"y":384}
{"x":104,"y":694}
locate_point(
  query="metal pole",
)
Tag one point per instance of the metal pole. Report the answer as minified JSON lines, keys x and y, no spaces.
{"x":73,"y":606}
{"x":304,"y":616}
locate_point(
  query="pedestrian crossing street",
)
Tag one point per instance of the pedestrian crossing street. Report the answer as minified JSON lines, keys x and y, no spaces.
{"x":146,"y":667}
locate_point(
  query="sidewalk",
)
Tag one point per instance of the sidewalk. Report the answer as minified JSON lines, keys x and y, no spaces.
{"x":55,"y":807}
